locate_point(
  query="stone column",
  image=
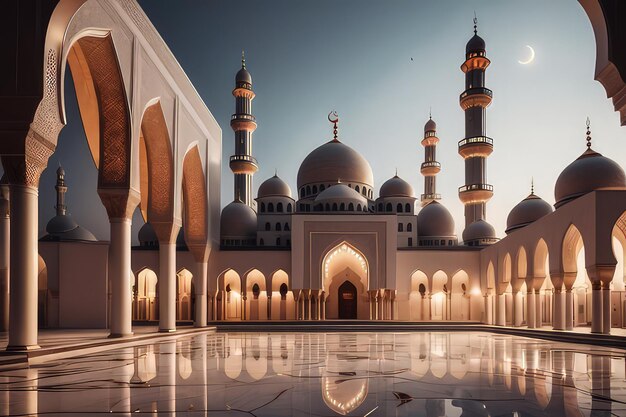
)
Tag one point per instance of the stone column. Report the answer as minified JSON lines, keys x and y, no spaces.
{"x":539,"y":309}
{"x":530,"y":308}
{"x":244,"y":302}
{"x":429,"y":307}
{"x":5,"y":242}
{"x":167,"y":234}
{"x":200,"y":288}
{"x":568,"y":281}
{"x":501,"y":310}
{"x":488,"y":316}
{"x":601,"y":277}
{"x":120,"y":205}
{"x":518,"y":309}
{"x":558,"y":312}
{"x":269,"y":305}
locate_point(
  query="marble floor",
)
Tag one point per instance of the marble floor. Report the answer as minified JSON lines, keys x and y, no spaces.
{"x":316,"y":374}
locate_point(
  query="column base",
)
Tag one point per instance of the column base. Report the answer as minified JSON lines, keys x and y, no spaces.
{"x":167,"y":330}
{"x":119,"y":335}
{"x":22,"y":348}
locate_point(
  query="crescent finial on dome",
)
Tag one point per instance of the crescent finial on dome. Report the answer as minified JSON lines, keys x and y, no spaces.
{"x":588,"y":133}
{"x":333,"y":117}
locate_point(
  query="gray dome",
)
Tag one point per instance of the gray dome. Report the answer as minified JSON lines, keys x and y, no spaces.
{"x":243,"y":76}
{"x":591,"y":171}
{"x":430,"y":126}
{"x":274,"y":187}
{"x":238,"y":221}
{"x":335,"y":161}
{"x":147,"y":236}
{"x":480,"y":229}
{"x":64,"y":228}
{"x":434,"y":220}
{"x":527,"y":211}
{"x":476,"y":44}
{"x":341,"y":192}
{"x":396,"y":187}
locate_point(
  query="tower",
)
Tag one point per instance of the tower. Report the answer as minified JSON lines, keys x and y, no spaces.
{"x":476,"y":146}
{"x":242,"y":163}
{"x":61,"y":188}
{"x":430,"y":167}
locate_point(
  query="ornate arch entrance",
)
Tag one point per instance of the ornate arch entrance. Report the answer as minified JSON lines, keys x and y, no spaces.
{"x":347,"y":299}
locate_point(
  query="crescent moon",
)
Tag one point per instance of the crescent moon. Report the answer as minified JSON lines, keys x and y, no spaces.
{"x":531,"y":58}
{"x":333,"y":117}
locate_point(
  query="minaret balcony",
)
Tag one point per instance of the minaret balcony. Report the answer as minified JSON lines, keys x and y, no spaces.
{"x":243,"y":164}
{"x":242,"y":121}
{"x":476,"y":146}
{"x":244,"y":90}
{"x":478,"y":96}
{"x":475,"y":193}
{"x":429,"y":168}
{"x":475,"y":62}
{"x":430,"y":197}
{"x":430,"y":141}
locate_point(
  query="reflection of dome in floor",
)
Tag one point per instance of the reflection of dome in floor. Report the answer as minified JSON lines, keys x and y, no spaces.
{"x":344,"y":394}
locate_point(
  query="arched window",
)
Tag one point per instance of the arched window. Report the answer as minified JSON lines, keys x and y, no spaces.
{"x":327,"y":207}
{"x":261,"y":242}
{"x":334,"y":206}
{"x":380,"y":207}
{"x":277,"y":241}
{"x":302,"y":193}
{"x":409,"y":227}
{"x":268,"y":226}
{"x":370,"y":193}
{"x":256,"y":291}
{"x":357,"y":189}
{"x":342,"y":207}
{"x":407,"y":208}
{"x":308,"y":190}
{"x":315,"y":189}
{"x":399,"y":208}
{"x":358,"y":207}
{"x":289,"y":208}
{"x":279,"y":207}
{"x":270,"y":207}
{"x":278,"y":227}
{"x":400,"y":227}
{"x":286,"y":228}
{"x":283,"y":291}
{"x":388,"y":207}
{"x":262,"y":207}
{"x":351,"y":207}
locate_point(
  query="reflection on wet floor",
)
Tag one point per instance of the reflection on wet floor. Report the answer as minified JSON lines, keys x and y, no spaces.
{"x":313,"y":374}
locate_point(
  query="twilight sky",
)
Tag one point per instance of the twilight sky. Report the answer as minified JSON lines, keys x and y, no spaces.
{"x":309,"y":57}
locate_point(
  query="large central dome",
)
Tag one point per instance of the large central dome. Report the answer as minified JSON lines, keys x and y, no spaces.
{"x":335,"y":161}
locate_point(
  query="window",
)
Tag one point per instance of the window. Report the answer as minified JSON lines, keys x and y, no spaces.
{"x":261,"y":242}
{"x":278,"y":227}
{"x":302,"y":193}
{"x":358,"y":207}
{"x":270,"y":207}
{"x":308,"y":190}
{"x":279,"y":207}
{"x":262,"y":207}
{"x":357,"y":189}
{"x":277,"y":241}
{"x":407,"y":208}
{"x":286,"y":228}
{"x":315,"y":189}
{"x":370,"y":193}
{"x":301,"y":207}
{"x":334,"y":206}
{"x":283,"y":291}
{"x":389,"y":207}
{"x":342,"y":207}
{"x":449,"y":243}
{"x":351,"y":207}
{"x":443,"y":242}
{"x":256,"y":291}
{"x":289,"y":208}
{"x":268,"y":226}
{"x":410,"y":240}
{"x":365,"y":193}
{"x":409,"y":227}
{"x":400,"y":227}
{"x":399,"y":208}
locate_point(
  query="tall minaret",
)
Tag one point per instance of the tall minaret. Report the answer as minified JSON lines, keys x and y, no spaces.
{"x":476,"y":146}
{"x":61,"y":190}
{"x":242,"y":163}
{"x":430,"y":167}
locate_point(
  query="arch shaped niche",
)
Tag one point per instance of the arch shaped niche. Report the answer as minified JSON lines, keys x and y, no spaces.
{"x":184,"y":295}
{"x":418,"y":297}
{"x":344,"y":263}
{"x":283,"y":305}
{"x":229,"y":296}
{"x":439,"y":309}
{"x":460,"y":297}
{"x":145,"y":300}
{"x":256,"y":304}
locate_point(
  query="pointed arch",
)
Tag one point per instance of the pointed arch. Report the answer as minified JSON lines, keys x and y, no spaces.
{"x":521,"y":263}
{"x":540,"y":258}
{"x":571,"y":246}
{"x":349,"y":249}
{"x":195,"y":202}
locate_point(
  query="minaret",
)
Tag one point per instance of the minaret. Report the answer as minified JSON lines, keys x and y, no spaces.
{"x":242,"y":163}
{"x":61,"y":190}
{"x":430,"y":167}
{"x":476,"y":146}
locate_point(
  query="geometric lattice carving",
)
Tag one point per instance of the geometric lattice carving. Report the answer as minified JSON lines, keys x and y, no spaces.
{"x":194,"y":199}
{"x":113,"y":110}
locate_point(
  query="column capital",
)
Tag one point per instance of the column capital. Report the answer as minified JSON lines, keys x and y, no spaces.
{"x":25,"y":169}
{"x":119,"y":203}
{"x":602,"y":273}
{"x":166,"y":232}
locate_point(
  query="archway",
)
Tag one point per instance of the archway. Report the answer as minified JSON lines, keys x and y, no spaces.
{"x":345,"y":263}
{"x":541,"y":280}
{"x":256,"y":296}
{"x":574,"y":275}
{"x":439,"y":301}
{"x":282,"y":298}
{"x":419,"y":297}
{"x":145,"y":303}
{"x":460,"y":297}
{"x":347,"y":299}
{"x":184,"y":295}
{"x":229,"y":296}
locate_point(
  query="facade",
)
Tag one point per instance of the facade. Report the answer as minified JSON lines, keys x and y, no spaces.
{"x":330,"y":250}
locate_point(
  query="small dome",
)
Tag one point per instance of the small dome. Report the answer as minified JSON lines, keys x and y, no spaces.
{"x":591,"y":171}
{"x":341,"y":193}
{"x":61,"y":224}
{"x":396,"y":187}
{"x":238,"y":221}
{"x":243,"y":76}
{"x":435,"y":220}
{"x":476,"y":44}
{"x":64,"y":228}
{"x":335,"y":161}
{"x":478,"y":230}
{"x":147,"y":236}
{"x":430,"y":126}
{"x":527,"y":211}
{"x":274,"y":187}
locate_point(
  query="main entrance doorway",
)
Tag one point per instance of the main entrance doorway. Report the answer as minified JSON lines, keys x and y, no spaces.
{"x":347,"y":301}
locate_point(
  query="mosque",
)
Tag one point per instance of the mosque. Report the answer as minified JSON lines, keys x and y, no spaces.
{"x":331,"y":250}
